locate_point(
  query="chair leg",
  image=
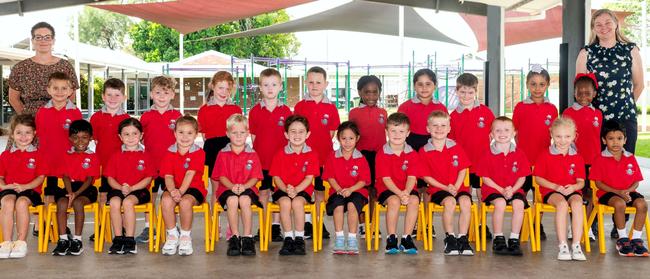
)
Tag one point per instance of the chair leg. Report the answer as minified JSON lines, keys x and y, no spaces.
{"x":213,"y":229}
{"x":48,"y":227}
{"x":483,"y":225}
{"x":40,"y":213}
{"x":422,"y":224}
{"x":95,"y":207}
{"x":533,"y":244}
{"x":315,"y":230}
{"x":375,"y":225}
{"x":366,"y":221}
{"x":102,"y":233}
{"x":601,"y":230}
{"x":585,"y":230}
{"x":429,"y":222}
{"x":159,"y":229}
{"x":206,"y":219}
{"x":260,"y":217}
{"x":150,"y":211}
{"x":647,"y":228}
{"x":525,"y":232}
{"x":267,"y":228}
{"x":538,"y":224}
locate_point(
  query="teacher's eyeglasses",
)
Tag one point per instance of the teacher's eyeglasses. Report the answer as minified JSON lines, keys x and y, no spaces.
{"x":46,"y":38}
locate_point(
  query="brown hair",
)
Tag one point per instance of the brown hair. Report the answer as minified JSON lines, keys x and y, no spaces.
{"x":270,"y":72}
{"x":619,"y":35}
{"x":467,"y":80}
{"x":113,"y":83}
{"x":318,"y":70}
{"x":59,"y":76}
{"x":40,"y":25}
{"x":220,"y":76}
{"x":296,"y":118}
{"x":397,"y":118}
{"x":502,"y":119}
{"x":187,"y":120}
{"x":437,"y":114}
{"x":22,"y":119}
{"x":164,"y":82}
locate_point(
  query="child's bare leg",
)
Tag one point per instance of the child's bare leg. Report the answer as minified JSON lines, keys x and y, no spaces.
{"x":102,"y":198}
{"x":185,"y":211}
{"x":575,"y":202}
{"x":465,"y":214}
{"x":298,"y":206}
{"x":62,"y":214}
{"x":319,"y":196}
{"x":246,"y":214}
{"x":353,"y":219}
{"x":497,"y":216}
{"x":449,"y":204}
{"x":233,"y":204}
{"x":264,"y":197}
{"x":641,"y":213}
{"x":129,"y":204}
{"x":619,"y":212}
{"x":79,"y":214}
{"x":22,"y":217}
{"x":411,"y":214}
{"x":116,"y":215}
{"x":517,"y":215}
{"x":167,"y":205}
{"x":154,"y":197}
{"x":285,"y":214}
{"x":562,"y":210}
{"x":7,"y":212}
{"x":338,"y":219}
{"x":393,"y":204}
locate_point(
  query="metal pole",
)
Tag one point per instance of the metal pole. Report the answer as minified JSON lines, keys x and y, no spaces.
{"x":91,"y":92}
{"x":644,"y":47}
{"x":238,"y":87}
{"x":462,"y":64}
{"x":136,"y":95}
{"x":245,"y":91}
{"x":446,"y":86}
{"x":304,"y":84}
{"x":2,"y":94}
{"x":408,"y":84}
{"x":512,"y":91}
{"x":337,"y":85}
{"x":286,"y":89}
{"x":347,"y":89}
{"x":368,"y":70}
{"x":148,"y":91}
{"x":549,"y":74}
{"x":521,"y":84}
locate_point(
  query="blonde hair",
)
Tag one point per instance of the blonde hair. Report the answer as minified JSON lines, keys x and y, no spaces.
{"x":187,"y":120}
{"x":563,"y":122}
{"x":502,"y":119}
{"x":236,"y":119}
{"x":164,"y":82}
{"x":437,"y":114}
{"x":619,"y":35}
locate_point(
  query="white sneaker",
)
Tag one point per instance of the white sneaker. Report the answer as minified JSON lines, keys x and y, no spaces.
{"x":19,"y":249}
{"x":5,"y":249}
{"x":592,"y":237}
{"x":170,"y":245}
{"x":564,"y":254}
{"x":185,"y":246}
{"x":577,"y":254}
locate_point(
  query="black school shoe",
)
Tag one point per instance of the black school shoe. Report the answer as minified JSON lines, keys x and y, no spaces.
{"x":308,"y":230}
{"x":499,"y":246}
{"x":130,"y":246}
{"x":299,"y":246}
{"x":247,"y":246}
{"x":514,"y":247}
{"x":391,"y":245}
{"x":287,"y":247}
{"x":76,"y":247}
{"x":62,"y":247}
{"x":464,"y":248}
{"x":118,"y":245}
{"x":407,"y":246}
{"x":451,"y":246}
{"x":234,"y":246}
{"x":276,"y":233}
{"x":542,"y":233}
{"x":256,"y":237}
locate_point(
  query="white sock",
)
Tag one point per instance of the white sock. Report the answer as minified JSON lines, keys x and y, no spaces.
{"x":76,"y":237}
{"x":172,"y":231}
{"x":185,"y":233}
{"x":288,"y":234}
{"x":339,"y":234}
{"x":63,"y":236}
{"x":405,"y":235}
{"x":514,"y":235}
{"x":308,"y":218}
{"x":352,"y":235}
{"x":622,"y":232}
{"x":146,"y":224}
{"x":498,"y":234}
{"x":452,"y":234}
{"x":461,"y":234}
{"x":276,"y":223}
{"x":300,"y":233}
{"x":636,"y":234}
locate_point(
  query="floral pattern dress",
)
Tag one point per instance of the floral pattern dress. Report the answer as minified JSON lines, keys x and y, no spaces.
{"x":613,"y":69}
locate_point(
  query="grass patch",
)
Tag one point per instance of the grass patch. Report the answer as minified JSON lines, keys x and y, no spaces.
{"x":643,"y":145}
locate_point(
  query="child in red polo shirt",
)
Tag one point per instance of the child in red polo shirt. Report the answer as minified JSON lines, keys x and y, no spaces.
{"x":129,"y":173}
{"x":293,"y":170}
{"x":503,"y":169}
{"x":52,"y":124}
{"x":21,"y":175}
{"x":617,"y":176}
{"x":397,"y":172}
{"x":348,"y":174}
{"x":80,"y":169}
{"x":238,"y":170}
{"x":560,"y":174}
{"x":213,"y":114}
{"x":182,"y":167}
{"x":444,"y":168}
{"x":371,"y":120}
{"x":158,"y":125}
{"x":470,"y":127}
{"x":105,"y":123}
{"x":266,"y":122}
{"x":324,"y":119}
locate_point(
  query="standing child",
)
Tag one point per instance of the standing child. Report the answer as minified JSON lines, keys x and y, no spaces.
{"x":158,"y":125}
{"x":212,"y":116}
{"x":238,"y":170}
{"x":22,"y":172}
{"x":617,"y":176}
{"x":293,"y":170}
{"x":397,"y":172}
{"x":129,"y":173}
{"x":504,"y":169}
{"x":182,"y":168}
{"x":266,"y":121}
{"x":560,"y":174}
{"x":470,"y":127}
{"x":324,"y":119}
{"x":348,"y":173}
{"x":80,"y":169}
{"x":105,"y":123}
{"x":371,"y":121}
{"x":445,"y":165}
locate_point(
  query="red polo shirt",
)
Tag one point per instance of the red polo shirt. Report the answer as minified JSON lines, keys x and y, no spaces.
{"x":398,"y":168}
{"x":533,"y":123}
{"x":471,"y":129}
{"x":347,"y":172}
{"x":418,"y":113}
{"x":588,"y":121}
{"x":323,"y":117}
{"x":159,"y":132}
{"x":212,"y":118}
{"x":238,"y":168}
{"x":503,"y":169}
{"x":372,"y":126}
{"x":444,"y":165}
{"x":292,"y":168}
{"x":559,"y":169}
{"x":80,"y":165}
{"x":52,"y":129}
{"x":106,"y":134}
{"x":268,"y":128}
{"x":22,"y":167}
{"x":619,"y":175}
{"x":130,"y":167}
{"x":177,"y":165}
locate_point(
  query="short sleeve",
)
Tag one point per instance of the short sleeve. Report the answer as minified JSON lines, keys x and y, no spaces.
{"x":201,"y":119}
{"x":94,"y":169}
{"x":425,"y":166}
{"x":463,"y":160}
{"x":15,"y":78}
{"x":336,"y":120}
{"x":313,"y":168}
{"x":329,"y":170}
{"x":276,"y":165}
{"x":580,"y":168}
{"x":256,"y":172}
{"x":150,"y":171}
{"x":41,"y":166}
{"x":252,"y":121}
{"x":483,"y":166}
{"x":638,"y":176}
{"x":524,"y":166}
{"x":166,"y":165}
{"x":596,"y":172}
{"x":364,"y":171}
{"x":111,"y":168}
{"x":414,"y":168}
{"x":219,"y":169}
{"x":382,"y":166}
{"x":198,"y":161}
{"x":540,"y":166}
{"x":3,"y":164}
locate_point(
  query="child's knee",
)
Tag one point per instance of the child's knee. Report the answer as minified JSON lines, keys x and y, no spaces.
{"x":518,"y":205}
{"x":393,"y":201}
{"x":641,"y":205}
{"x":352,"y":209}
{"x":23,"y":203}
{"x":414,"y":200}
{"x":499,"y":203}
{"x":449,"y":202}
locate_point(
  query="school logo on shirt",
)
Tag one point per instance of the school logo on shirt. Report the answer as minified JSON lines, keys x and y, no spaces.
{"x":405,"y":165}
{"x":595,"y":121}
{"x":325,"y":119}
{"x":515,"y":168}
{"x":86,"y":164}
{"x":31,"y":163}
{"x":454,"y":161}
{"x":187,"y":163}
{"x":172,"y":124}
{"x":304,"y":167}
{"x":571,"y":169}
{"x":249,"y":165}
{"x":548,"y":120}
{"x":481,"y":122}
{"x":629,"y":170}
{"x":281,"y":121}
{"x":381,"y":119}
{"x":141,"y":165}
{"x":67,"y":123}
{"x":355,"y":171}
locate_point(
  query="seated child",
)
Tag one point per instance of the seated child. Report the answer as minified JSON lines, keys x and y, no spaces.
{"x":182,"y":167}
{"x":238,"y":169}
{"x":617,"y":175}
{"x":444,"y":168}
{"x":504,"y":169}
{"x":22,"y":172}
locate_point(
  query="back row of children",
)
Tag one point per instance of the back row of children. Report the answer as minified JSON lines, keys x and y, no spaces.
{"x":282,"y":156}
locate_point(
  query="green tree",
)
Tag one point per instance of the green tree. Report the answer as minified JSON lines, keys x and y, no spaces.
{"x":98,"y":85}
{"x":155,"y":43}
{"x":632,"y":25}
{"x":103,"y":29}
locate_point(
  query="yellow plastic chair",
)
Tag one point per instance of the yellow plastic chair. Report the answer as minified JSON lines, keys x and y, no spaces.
{"x":202,"y":208}
{"x":51,"y":222}
{"x":39,"y":211}
{"x":217,"y":210}
{"x":540,"y":207}
{"x":527,"y":230}
{"x":473,"y":224}
{"x":420,"y":224}
{"x":106,"y":232}
{"x":600,"y":210}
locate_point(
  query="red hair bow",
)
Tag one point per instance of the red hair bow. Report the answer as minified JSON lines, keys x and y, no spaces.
{"x":591,"y":76}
